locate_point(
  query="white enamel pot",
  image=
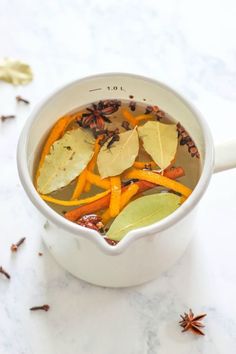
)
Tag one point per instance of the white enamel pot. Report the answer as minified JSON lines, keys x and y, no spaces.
{"x":143,"y":253}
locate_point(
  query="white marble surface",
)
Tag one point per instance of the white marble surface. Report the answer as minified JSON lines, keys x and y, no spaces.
{"x":188,"y":44}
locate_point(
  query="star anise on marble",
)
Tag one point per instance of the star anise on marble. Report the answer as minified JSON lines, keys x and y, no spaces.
{"x":97,"y":115}
{"x":192,"y":323}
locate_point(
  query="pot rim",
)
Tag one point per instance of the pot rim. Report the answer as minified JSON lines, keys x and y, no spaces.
{"x":79,"y":231}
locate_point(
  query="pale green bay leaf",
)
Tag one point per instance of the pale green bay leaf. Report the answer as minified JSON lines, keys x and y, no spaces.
{"x":160,"y":141}
{"x":142,"y":212}
{"x":15,"y":72}
{"x":120,"y":156}
{"x":67,"y":158}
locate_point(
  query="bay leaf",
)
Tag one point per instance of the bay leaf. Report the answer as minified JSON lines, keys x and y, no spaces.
{"x":15,"y":72}
{"x":160,"y":141}
{"x":120,"y":156}
{"x":67,"y":159}
{"x":142,"y":212}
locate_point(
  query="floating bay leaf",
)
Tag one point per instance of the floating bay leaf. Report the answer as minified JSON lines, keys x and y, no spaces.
{"x":120,"y":156}
{"x":160,"y":141}
{"x":15,"y":72}
{"x":142,"y":212}
{"x":67,"y":158}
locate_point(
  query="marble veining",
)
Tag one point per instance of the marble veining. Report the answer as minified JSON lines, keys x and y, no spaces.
{"x":189,"y":45}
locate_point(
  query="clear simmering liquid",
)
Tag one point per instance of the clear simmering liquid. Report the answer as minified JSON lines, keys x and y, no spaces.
{"x":186,"y":156}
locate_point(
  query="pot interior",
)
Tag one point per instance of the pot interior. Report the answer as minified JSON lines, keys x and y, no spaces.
{"x":110,"y":86}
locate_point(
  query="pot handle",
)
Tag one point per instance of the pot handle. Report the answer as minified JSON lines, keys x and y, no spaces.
{"x":225,"y":156}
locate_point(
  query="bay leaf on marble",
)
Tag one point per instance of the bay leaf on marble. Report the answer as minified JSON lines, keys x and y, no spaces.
{"x":160,"y":141}
{"x":142,"y":212}
{"x":67,"y":158}
{"x":15,"y":72}
{"x":120,"y":156}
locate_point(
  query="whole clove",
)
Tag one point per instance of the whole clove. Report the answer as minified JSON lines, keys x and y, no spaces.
{"x":148,"y":110}
{"x":43,"y":307}
{"x":97,"y":132}
{"x":125,"y":125}
{"x":15,"y":246}
{"x":115,"y":137}
{"x":21,"y":99}
{"x":160,"y":115}
{"x":156,"y":111}
{"x":108,"y":134}
{"x":185,"y":139}
{"x":3,"y":118}
{"x":132,"y":105}
{"x":4,"y":272}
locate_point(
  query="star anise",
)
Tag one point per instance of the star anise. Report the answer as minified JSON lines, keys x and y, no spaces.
{"x":192,"y":323}
{"x":97,"y":115}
